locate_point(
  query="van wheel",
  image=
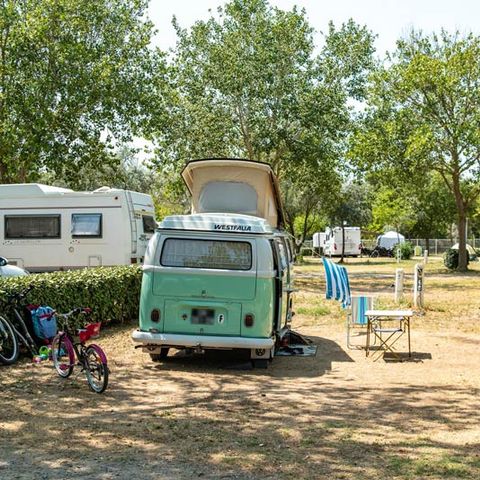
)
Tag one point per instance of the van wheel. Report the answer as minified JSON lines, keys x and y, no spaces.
{"x":260,"y":363}
{"x":156,"y":357}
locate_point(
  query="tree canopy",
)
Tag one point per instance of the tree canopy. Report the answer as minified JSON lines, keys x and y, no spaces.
{"x":75,"y":78}
{"x":248,"y":83}
{"x":423,"y":115}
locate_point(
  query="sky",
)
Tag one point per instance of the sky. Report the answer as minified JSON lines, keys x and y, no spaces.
{"x":389,"y":19}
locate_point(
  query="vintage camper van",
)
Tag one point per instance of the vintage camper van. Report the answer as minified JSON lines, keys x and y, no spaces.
{"x":44,"y":228}
{"x":220,"y":278}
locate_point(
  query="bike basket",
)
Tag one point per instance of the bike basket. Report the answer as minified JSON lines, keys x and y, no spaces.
{"x":44,"y":322}
{"x":92,"y":330}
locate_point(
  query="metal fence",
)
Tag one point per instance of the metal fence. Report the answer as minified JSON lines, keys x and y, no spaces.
{"x":436,"y":246}
{"x":440,"y":245}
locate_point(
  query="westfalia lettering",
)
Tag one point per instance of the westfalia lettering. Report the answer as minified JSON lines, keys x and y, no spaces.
{"x":241,"y":228}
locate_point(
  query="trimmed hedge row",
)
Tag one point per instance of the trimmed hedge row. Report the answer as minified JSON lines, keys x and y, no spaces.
{"x":112,"y":293}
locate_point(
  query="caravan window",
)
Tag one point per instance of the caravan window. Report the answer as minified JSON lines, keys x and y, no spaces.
{"x":32,"y":226}
{"x":86,"y":225}
{"x":148,"y":224}
{"x":213,"y":254}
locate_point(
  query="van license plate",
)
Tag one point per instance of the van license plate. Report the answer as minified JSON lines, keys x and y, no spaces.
{"x":203,"y":316}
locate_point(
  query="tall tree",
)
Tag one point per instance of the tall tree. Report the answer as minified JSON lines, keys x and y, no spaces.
{"x":247,"y":83}
{"x":424,"y":115}
{"x":75,"y":77}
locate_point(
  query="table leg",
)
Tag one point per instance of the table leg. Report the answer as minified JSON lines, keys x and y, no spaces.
{"x":409,"y":347}
{"x":368,"y":337}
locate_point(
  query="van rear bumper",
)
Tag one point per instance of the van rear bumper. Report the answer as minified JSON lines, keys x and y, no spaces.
{"x":201,"y":341}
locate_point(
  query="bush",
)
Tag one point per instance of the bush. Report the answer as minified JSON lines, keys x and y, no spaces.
{"x":111,"y":292}
{"x":406,"y":250}
{"x":450,"y":259}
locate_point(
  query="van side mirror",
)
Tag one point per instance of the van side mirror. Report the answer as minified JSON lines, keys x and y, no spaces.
{"x":3,"y":261}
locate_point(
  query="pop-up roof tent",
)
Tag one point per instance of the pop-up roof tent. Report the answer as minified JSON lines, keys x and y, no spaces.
{"x":226,"y":185}
{"x":390,"y":239}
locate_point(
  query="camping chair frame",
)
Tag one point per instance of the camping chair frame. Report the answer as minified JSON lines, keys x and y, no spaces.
{"x":355,"y":323}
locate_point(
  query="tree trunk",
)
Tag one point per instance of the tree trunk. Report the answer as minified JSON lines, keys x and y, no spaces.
{"x":462,"y":242}
{"x":461,"y":224}
{"x":427,"y":244}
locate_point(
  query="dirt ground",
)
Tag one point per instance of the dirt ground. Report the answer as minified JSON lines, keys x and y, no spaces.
{"x":337,"y":415}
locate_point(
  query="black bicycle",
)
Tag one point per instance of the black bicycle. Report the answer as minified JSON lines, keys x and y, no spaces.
{"x":14,"y":330}
{"x":381,"y":252}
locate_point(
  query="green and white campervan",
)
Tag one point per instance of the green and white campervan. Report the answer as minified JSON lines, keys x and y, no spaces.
{"x":219,"y":278}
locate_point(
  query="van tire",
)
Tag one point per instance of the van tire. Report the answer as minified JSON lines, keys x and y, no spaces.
{"x":156,"y":357}
{"x":260,"y":363}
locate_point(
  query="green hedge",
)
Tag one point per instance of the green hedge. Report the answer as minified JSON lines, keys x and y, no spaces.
{"x":111,"y":292}
{"x":450,"y":259}
{"x":406,"y":250}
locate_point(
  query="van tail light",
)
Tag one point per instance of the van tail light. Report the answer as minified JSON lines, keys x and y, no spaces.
{"x":334,"y":246}
{"x":249,"y":318}
{"x":155,"y":315}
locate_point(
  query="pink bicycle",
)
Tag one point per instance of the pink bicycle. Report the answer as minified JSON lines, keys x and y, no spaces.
{"x":90,"y":358}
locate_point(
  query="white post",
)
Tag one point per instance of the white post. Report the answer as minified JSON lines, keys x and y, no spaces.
{"x":418,"y":286}
{"x":436,"y":246}
{"x":425,"y":257}
{"x":398,"y":285}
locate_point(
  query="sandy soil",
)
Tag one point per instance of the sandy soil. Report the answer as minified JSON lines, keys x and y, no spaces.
{"x":338,"y":415}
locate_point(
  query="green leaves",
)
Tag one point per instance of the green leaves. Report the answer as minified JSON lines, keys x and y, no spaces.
{"x":111,"y":292}
{"x":75,"y":76}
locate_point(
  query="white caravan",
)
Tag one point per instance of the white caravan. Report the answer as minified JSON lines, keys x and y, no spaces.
{"x":319,"y":242}
{"x":44,"y":228}
{"x":333,"y":241}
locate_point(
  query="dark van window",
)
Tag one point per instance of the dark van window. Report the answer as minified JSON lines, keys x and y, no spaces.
{"x":149,"y":224}
{"x":32,"y":226}
{"x":283,"y":254}
{"x":213,"y":254}
{"x":86,"y":225}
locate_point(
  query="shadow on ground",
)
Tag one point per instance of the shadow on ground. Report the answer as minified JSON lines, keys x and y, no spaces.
{"x":191,"y":417}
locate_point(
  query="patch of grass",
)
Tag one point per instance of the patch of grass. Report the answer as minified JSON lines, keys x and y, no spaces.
{"x":318,"y":310}
{"x":445,"y":466}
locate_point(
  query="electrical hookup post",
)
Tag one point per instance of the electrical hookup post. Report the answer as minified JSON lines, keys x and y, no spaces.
{"x":418,"y":286}
{"x":398,"y":285}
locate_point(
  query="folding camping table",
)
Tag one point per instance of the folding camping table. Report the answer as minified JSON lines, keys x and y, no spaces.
{"x":398,"y":323}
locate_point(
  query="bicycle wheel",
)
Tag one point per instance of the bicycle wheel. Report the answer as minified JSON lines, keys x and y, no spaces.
{"x":63,"y":355}
{"x":9,"y":349}
{"x":96,"y":368}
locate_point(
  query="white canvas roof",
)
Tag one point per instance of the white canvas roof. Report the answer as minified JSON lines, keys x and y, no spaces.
{"x":234,"y":186}
{"x":390,"y":239}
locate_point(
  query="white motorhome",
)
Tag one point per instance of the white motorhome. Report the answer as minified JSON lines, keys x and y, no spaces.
{"x":44,"y":228}
{"x":333,"y":241}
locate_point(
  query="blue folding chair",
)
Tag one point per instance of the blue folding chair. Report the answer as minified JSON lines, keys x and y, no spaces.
{"x":338,"y":288}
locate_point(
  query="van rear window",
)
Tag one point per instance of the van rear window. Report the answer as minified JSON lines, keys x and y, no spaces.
{"x":212,"y":254}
